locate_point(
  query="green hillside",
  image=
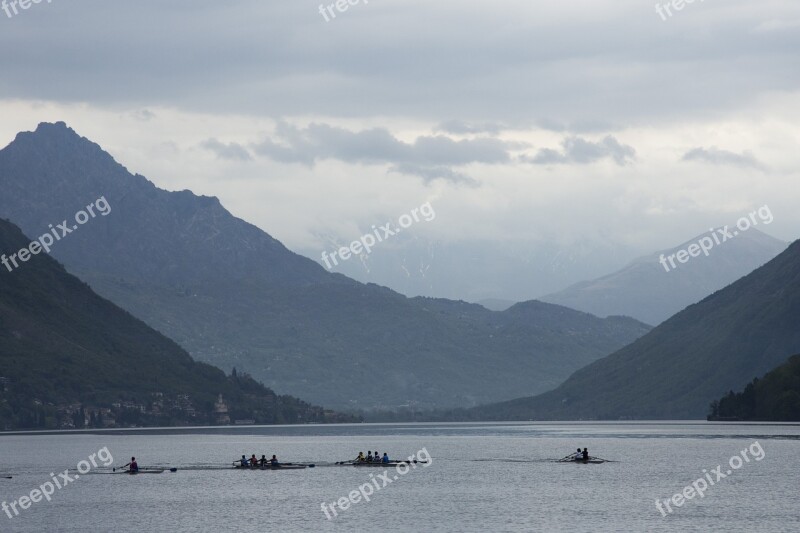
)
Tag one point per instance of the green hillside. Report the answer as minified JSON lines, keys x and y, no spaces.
{"x":775,"y":397}
{"x":67,"y":356}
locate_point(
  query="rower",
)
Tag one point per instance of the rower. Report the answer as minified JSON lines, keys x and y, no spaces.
{"x":274,"y":461}
{"x":376,"y":457}
{"x":244,"y":462}
{"x":263,"y":461}
{"x":369,"y":457}
{"x":134,"y":466}
{"x":385,"y":458}
{"x":253,"y":460}
{"x":577,"y":455}
{"x":360,"y":457}
{"x":585,"y":454}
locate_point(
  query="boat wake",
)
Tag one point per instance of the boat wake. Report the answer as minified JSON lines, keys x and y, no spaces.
{"x":512,"y":460}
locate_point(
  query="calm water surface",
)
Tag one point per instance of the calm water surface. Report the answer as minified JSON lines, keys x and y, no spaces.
{"x":483,"y":477}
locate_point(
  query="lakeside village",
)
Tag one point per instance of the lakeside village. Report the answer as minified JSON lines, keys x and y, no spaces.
{"x":161,"y":409}
{"x":79,"y":416}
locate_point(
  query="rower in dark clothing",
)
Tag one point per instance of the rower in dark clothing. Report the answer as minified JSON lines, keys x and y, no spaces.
{"x":133,"y":466}
{"x":585,"y":454}
{"x":263,"y":461}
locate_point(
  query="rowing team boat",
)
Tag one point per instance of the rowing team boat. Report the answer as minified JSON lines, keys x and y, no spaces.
{"x":284,"y":466}
{"x":589,"y":461}
{"x":378,"y":465}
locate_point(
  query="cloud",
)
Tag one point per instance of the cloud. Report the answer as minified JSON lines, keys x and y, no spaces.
{"x":432,"y":173}
{"x":715,"y":156}
{"x":230,"y":151}
{"x":264,"y":60}
{"x":577,"y":126}
{"x":461,"y":127}
{"x":143,"y":115}
{"x":777,"y":25}
{"x":577,"y":150}
{"x":426,"y":156}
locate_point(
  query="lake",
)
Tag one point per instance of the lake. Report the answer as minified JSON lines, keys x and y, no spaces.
{"x":481,"y":477}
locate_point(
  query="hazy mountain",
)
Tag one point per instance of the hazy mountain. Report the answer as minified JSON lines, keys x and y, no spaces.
{"x":233,"y":296}
{"x":66,"y":353}
{"x":647,"y":291}
{"x":676,"y":370}
{"x":775,"y":397}
{"x":474,"y":269}
{"x":493,"y":304}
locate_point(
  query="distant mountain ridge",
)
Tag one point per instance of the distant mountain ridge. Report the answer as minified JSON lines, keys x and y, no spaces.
{"x":494,"y":304}
{"x":678,"y":368}
{"x":476,"y":269}
{"x":69,"y":357}
{"x":234,"y":296}
{"x":646,"y":291}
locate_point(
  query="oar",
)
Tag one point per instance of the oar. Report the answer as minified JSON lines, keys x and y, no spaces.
{"x":120,"y":467}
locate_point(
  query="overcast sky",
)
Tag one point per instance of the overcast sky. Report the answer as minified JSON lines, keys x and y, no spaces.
{"x":518,"y":120}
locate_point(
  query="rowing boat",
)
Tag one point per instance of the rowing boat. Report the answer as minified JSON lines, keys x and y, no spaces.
{"x":590,"y":461}
{"x":273,"y":467}
{"x":378,"y":465}
{"x":140,"y":471}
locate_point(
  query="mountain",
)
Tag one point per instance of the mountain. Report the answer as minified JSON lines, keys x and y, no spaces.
{"x":493,"y":304}
{"x":235,"y":297}
{"x":476,"y":269}
{"x":645,"y":290}
{"x":68,"y":357}
{"x":775,"y":397}
{"x":679,"y":367}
